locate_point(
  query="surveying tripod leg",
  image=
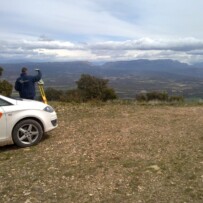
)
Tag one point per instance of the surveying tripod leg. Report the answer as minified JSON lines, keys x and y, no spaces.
{"x":41,"y":88}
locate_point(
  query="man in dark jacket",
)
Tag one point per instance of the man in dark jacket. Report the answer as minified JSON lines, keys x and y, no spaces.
{"x":25,"y":84}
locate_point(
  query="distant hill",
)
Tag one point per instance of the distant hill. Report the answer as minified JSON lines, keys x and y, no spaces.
{"x":127,"y":77}
{"x":158,"y":68}
{"x":118,"y":68}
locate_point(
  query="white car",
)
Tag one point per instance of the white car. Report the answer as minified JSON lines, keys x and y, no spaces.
{"x":23,"y":122}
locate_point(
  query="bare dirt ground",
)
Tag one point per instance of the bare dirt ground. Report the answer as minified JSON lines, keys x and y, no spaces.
{"x":110,"y":153}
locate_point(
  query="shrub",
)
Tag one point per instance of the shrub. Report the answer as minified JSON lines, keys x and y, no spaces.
{"x":1,"y":71}
{"x":109,"y":94}
{"x":6,"y":88}
{"x":176,"y":99}
{"x":159,"y":96}
{"x":142,"y":97}
{"x":53,"y":94}
{"x":150,"y":96}
{"x":74,"y":95}
{"x":92,"y":88}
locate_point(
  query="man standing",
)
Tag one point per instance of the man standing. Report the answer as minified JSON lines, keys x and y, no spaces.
{"x":25,"y":84}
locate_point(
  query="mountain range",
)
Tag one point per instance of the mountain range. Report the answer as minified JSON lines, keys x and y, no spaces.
{"x":127,"y":77}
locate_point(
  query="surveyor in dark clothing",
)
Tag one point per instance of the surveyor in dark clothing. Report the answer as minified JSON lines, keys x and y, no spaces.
{"x":25,"y":84}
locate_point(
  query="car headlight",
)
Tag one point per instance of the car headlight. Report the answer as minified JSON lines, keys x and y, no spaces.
{"x":48,"y":109}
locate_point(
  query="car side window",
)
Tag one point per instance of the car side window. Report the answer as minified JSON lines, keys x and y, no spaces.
{"x":4,"y":103}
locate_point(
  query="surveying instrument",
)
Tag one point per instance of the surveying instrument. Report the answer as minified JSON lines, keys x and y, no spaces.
{"x":41,"y":89}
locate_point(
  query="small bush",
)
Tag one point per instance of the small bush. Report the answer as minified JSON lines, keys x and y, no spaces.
{"x":150,"y":96}
{"x":176,"y":99}
{"x":74,"y":95}
{"x":108,"y":94}
{"x":158,"y":96}
{"x":53,"y":94}
{"x":6,"y":88}
{"x":142,"y":97}
{"x":1,"y":71}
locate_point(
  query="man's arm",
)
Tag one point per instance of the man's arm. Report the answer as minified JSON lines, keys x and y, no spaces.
{"x":38,"y":76}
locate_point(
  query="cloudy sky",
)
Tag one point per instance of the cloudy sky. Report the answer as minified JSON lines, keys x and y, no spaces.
{"x":101,"y":30}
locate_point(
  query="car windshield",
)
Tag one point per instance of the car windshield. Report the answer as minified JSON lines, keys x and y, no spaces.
{"x":4,"y":103}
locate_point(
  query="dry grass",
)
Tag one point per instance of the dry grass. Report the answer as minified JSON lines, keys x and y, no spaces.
{"x":110,"y":153}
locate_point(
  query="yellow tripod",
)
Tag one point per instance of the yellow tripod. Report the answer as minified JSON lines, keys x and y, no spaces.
{"x":41,"y":89}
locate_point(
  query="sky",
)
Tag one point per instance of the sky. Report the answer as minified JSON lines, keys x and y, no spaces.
{"x":101,"y":30}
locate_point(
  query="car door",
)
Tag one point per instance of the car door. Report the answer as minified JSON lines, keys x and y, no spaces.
{"x":4,"y":134}
{"x":3,"y":125}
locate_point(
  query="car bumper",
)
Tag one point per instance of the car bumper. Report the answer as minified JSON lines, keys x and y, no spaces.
{"x":52,"y":123}
{"x":7,"y":141}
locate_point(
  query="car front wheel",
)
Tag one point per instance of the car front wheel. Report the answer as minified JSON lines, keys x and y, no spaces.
{"x":27,"y":133}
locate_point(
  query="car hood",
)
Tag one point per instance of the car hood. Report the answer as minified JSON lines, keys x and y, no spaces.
{"x":31,"y":104}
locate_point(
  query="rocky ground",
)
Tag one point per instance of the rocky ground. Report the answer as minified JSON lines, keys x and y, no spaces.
{"x":110,"y":153}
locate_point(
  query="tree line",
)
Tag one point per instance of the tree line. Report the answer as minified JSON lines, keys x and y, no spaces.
{"x":91,"y":88}
{"x":88,"y":88}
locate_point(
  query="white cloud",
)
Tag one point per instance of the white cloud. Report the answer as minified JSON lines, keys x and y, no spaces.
{"x":186,"y":50}
{"x":101,"y":29}
{"x":185,"y":44}
{"x":63,"y":18}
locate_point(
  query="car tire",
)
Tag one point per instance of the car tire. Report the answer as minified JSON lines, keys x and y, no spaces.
{"x":27,"y":133}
